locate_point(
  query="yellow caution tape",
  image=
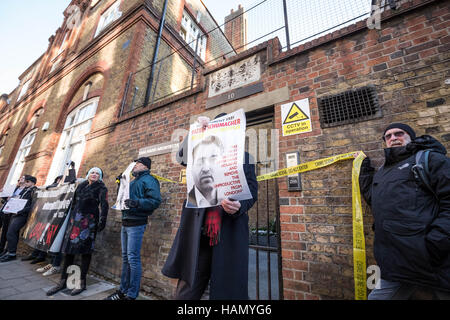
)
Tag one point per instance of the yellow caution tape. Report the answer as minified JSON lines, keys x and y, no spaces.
{"x":359,"y":250}
{"x":162,"y":178}
{"x":359,"y":247}
{"x":307,"y":166}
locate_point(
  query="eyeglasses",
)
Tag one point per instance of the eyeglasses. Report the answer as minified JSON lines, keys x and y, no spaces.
{"x":397,"y":134}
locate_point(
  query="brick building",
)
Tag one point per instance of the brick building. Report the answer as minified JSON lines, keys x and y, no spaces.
{"x":396,"y":73}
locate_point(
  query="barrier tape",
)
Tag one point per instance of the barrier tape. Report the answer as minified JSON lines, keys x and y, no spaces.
{"x":359,"y":250}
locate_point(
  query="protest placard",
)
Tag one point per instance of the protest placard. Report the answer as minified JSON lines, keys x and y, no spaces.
{"x":215,"y":162}
{"x":47,"y":215}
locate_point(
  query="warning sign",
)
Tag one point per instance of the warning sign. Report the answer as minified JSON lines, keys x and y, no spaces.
{"x":296,"y":117}
{"x":295,"y":114}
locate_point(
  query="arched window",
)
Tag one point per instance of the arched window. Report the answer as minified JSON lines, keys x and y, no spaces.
{"x":73,"y":138}
{"x":19,"y":161}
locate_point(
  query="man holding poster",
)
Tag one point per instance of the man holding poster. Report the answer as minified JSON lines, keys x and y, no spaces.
{"x":211,"y":244}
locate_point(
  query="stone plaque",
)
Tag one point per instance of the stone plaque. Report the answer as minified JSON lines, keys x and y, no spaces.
{"x":235,"y":76}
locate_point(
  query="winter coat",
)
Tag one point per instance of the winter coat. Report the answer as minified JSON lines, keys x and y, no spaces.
{"x":86,"y":217}
{"x":146,"y":191}
{"x":412,"y":229}
{"x":229,"y":266}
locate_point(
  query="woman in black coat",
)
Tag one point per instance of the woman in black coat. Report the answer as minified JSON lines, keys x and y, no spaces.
{"x":86,"y":219}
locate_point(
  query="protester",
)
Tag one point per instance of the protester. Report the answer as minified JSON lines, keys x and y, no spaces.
{"x":19,"y":219}
{"x":211,"y":245}
{"x":145,"y":198}
{"x":86,"y":219}
{"x":6,"y":217}
{"x":412,"y":222}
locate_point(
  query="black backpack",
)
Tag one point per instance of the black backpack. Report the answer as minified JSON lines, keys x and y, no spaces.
{"x":421,"y":170}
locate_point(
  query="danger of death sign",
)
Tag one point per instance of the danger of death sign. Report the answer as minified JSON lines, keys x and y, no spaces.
{"x":296,"y":117}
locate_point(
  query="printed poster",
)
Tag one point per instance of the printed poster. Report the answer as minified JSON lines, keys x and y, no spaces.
{"x":47,"y":215}
{"x":215,"y":162}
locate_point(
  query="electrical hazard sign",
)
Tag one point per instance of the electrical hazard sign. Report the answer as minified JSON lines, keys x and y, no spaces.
{"x":296,"y":117}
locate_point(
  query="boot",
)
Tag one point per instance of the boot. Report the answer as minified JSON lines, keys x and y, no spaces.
{"x":60,"y":286}
{"x":78,"y":291}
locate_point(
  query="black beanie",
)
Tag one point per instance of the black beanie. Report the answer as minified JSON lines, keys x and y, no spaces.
{"x":402,"y":126}
{"x":145,"y":161}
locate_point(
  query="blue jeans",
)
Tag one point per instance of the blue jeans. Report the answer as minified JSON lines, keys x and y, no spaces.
{"x":130,"y":280}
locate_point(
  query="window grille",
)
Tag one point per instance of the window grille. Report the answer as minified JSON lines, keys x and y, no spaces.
{"x":349,"y":107}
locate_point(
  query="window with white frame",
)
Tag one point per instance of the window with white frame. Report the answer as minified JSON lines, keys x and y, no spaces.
{"x":24,"y":89}
{"x":19,"y":161}
{"x":190,"y":31}
{"x":108,"y":17}
{"x":73,"y":138}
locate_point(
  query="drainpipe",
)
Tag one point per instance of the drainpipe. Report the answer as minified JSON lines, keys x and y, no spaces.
{"x":155,"y":54}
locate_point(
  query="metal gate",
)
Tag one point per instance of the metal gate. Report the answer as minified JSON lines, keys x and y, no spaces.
{"x":265,"y":272}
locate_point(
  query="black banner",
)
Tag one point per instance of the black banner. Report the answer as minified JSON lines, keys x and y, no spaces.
{"x":47,"y":215}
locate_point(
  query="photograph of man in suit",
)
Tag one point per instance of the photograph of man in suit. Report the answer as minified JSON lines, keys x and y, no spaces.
{"x":205,"y":156}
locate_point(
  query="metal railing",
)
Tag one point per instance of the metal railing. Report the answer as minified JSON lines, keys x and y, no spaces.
{"x":173,"y":70}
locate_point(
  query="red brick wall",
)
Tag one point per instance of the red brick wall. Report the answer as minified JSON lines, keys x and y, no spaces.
{"x":406,"y":61}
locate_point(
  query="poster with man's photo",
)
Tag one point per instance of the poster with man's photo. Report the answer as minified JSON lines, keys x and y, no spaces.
{"x":215,"y":162}
{"x":47,"y":215}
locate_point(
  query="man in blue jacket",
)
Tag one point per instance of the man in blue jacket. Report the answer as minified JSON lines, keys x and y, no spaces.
{"x":145,"y":197}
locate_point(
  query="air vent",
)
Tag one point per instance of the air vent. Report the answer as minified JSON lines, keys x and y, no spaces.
{"x":349,"y":107}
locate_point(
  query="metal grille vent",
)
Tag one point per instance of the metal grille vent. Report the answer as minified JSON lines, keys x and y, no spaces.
{"x":349,"y":107}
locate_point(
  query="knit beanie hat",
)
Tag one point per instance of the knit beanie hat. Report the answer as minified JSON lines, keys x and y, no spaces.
{"x":403,"y":127}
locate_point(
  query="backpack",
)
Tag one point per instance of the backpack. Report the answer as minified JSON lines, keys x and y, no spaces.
{"x":421,"y":170}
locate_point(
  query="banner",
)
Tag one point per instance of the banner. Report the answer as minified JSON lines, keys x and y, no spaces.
{"x":47,"y":215}
{"x":215,"y":162}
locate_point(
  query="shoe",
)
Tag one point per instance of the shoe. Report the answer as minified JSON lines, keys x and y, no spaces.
{"x":45,"y":268}
{"x":60,"y":286}
{"x":7,"y":258}
{"x":52,"y":270}
{"x":78,"y":291}
{"x":37,"y":260}
{"x":128,"y":298}
{"x":28,"y":258}
{"x":118,"y":295}
{"x":4,"y":252}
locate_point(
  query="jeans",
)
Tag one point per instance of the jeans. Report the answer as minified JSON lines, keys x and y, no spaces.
{"x":130,"y":280}
{"x":391,"y":290}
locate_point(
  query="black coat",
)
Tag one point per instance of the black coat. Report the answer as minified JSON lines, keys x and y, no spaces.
{"x":85,"y":217}
{"x":229,"y":267}
{"x":412,"y":229}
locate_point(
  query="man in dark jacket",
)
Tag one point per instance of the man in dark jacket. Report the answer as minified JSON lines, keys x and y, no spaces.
{"x":198,"y":257}
{"x":145,"y":197}
{"x":412,"y":225}
{"x":19,"y":219}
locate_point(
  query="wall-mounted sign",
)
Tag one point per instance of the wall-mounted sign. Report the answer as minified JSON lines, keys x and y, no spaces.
{"x":235,"y":76}
{"x":296,"y":117}
{"x":157,"y":149}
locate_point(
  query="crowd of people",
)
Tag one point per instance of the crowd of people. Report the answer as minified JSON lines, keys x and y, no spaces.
{"x":409,"y":197}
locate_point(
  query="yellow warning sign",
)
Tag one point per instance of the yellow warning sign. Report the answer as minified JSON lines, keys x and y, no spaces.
{"x":296,"y":117}
{"x":295,"y":114}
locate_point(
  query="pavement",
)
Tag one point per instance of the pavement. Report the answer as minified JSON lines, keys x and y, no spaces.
{"x":20,"y":281}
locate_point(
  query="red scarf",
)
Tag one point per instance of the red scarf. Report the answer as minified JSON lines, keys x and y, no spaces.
{"x":212,"y":224}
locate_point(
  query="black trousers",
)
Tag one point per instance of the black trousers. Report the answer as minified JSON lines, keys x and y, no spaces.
{"x":69,"y":260}
{"x":5,"y":224}
{"x":195,"y":292}
{"x":15,"y":224}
